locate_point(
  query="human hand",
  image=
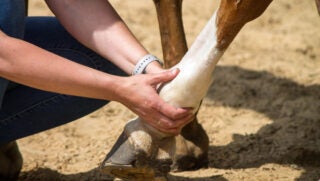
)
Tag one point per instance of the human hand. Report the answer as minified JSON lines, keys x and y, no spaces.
{"x":139,"y":94}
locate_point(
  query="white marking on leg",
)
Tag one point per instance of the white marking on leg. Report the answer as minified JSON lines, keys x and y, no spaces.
{"x":196,"y":68}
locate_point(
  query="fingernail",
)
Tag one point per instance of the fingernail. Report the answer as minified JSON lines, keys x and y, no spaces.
{"x":175,"y":71}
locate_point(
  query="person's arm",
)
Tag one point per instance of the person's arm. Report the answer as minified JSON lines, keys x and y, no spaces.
{"x":30,"y":65}
{"x":27,"y":64}
{"x":98,"y":26}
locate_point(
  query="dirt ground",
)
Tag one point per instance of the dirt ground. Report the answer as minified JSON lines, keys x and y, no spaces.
{"x":262,"y":113}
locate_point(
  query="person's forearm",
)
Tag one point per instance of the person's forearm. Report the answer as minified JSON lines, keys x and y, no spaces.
{"x":99,"y":27}
{"x":30,"y":65}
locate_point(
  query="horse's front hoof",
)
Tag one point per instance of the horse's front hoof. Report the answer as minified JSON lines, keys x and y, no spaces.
{"x":138,"y":155}
{"x":122,"y":153}
{"x":128,"y":172}
{"x":156,"y":172}
{"x":121,"y":162}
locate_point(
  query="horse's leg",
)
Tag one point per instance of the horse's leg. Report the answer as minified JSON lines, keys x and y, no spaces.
{"x":140,"y":147}
{"x":143,"y":150}
{"x":174,"y":44}
{"x":192,"y":144}
{"x":233,"y":15}
{"x":318,"y":5}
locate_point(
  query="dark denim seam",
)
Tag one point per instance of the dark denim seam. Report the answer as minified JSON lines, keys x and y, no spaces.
{"x":46,"y":101}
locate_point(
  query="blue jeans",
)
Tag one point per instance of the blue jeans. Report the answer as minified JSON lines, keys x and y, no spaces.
{"x":12,"y":14}
{"x":26,"y":110}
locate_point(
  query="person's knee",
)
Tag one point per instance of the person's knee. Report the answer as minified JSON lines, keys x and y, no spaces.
{"x":10,"y":161}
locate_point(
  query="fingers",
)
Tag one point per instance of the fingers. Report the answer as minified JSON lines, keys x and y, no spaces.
{"x":151,"y":108}
{"x":166,"y":125}
{"x":169,"y":124}
{"x":173,"y":112}
{"x":164,"y":76}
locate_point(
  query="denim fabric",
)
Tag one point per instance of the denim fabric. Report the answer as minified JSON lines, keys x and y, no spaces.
{"x":12,"y":14}
{"x":25,"y":110}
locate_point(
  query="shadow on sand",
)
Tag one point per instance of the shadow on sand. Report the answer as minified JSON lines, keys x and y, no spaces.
{"x":94,"y":175}
{"x":292,"y":138}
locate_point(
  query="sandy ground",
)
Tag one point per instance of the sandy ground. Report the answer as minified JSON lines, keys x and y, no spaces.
{"x":262,"y":112}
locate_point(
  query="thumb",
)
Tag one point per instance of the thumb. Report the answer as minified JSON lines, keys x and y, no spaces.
{"x":166,"y":76}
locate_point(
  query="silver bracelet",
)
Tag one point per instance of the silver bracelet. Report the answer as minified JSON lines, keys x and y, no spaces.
{"x":143,"y":63}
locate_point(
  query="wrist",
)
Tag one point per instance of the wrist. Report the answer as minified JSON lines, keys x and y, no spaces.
{"x":119,"y":85}
{"x":154,"y":67}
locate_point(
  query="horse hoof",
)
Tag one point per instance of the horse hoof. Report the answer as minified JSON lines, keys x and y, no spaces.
{"x":122,"y":153}
{"x":128,"y":172}
{"x":131,"y":172}
{"x":137,"y":155}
